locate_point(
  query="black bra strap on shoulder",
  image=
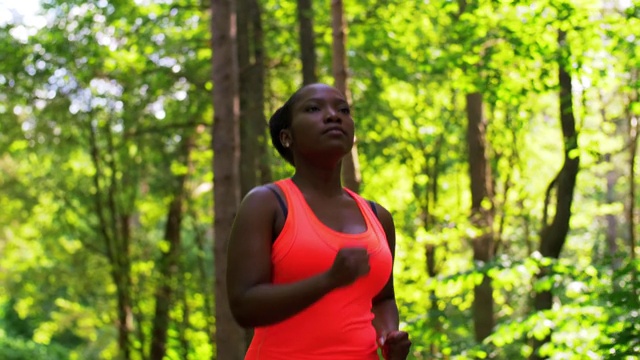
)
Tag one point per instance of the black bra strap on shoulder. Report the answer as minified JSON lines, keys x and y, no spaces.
{"x":281,"y":201}
{"x":373,"y":207}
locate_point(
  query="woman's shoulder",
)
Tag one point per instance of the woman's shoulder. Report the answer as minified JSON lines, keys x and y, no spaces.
{"x":261,"y":192}
{"x":381,"y":212}
{"x":261,"y":197}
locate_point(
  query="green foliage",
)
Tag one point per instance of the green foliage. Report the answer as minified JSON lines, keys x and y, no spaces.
{"x":623,"y":304}
{"x":130,"y":80}
{"x":20,"y":349}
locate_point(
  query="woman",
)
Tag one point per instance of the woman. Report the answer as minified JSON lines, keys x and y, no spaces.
{"x":310,"y":262}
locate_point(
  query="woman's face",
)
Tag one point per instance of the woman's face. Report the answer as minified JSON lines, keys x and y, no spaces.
{"x":321,"y":124}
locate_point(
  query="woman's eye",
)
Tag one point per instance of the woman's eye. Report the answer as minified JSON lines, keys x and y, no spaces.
{"x":311,"y":108}
{"x":346,"y":111}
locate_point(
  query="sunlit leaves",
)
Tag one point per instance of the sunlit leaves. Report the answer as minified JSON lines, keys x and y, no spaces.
{"x":138,"y":74}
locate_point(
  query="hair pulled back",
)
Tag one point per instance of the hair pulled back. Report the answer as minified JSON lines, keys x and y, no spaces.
{"x":281,"y":120}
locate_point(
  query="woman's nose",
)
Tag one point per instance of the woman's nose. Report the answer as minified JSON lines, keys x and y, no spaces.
{"x":332,"y":115}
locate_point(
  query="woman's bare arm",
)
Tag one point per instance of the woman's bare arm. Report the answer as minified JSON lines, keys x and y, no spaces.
{"x":384,"y":304}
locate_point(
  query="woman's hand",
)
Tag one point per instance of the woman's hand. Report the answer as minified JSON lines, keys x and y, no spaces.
{"x":350,"y":264}
{"x":395,"y":345}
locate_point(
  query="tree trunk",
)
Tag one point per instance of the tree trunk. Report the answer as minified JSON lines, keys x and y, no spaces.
{"x":252,"y":119}
{"x":115,"y":232}
{"x":307,"y":42}
{"x":186,"y":320}
{"x":428,"y":200}
{"x":125,"y":319}
{"x":230,"y":338}
{"x":633,"y":149}
{"x":167,"y":268}
{"x":611,"y":219}
{"x":632,"y":194}
{"x":553,"y":235}
{"x":247,"y":86}
{"x":199,"y":239}
{"x":350,"y":165}
{"x":611,"y":177}
{"x":263,"y":162}
{"x":168,"y":264}
{"x":481,"y":213}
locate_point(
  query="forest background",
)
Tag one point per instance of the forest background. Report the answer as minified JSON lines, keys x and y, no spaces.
{"x":502,"y":135}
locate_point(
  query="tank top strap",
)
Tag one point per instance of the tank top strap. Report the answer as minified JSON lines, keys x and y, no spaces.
{"x":370,"y":217}
{"x":285,"y":240}
{"x":290,"y":195}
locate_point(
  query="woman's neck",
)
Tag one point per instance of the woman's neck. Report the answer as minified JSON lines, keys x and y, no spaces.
{"x":322,"y":181}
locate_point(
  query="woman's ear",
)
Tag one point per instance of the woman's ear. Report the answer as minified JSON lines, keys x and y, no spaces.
{"x":285,"y":138}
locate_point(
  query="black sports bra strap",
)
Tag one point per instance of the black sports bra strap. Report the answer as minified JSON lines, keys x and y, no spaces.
{"x":283,"y":205}
{"x":373,"y":207}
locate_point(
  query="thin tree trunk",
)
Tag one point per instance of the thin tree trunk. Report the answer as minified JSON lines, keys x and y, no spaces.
{"x":199,"y":238}
{"x":263,"y":163}
{"x":633,"y":150}
{"x":186,"y":320}
{"x":611,"y":219}
{"x":350,"y":165}
{"x":553,"y":235}
{"x":115,"y":231}
{"x":167,"y":268}
{"x":230,"y":338}
{"x":252,"y":119}
{"x":248,"y":131}
{"x":307,"y":42}
{"x":611,"y":236}
{"x":429,"y":222}
{"x":482,"y":200}
{"x":632,"y":191}
{"x":122,"y":241}
{"x":168,"y":264}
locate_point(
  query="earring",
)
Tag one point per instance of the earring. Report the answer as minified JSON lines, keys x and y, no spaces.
{"x":286,"y":145}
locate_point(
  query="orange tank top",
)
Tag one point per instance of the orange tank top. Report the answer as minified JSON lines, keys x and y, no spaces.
{"x":338,"y":326}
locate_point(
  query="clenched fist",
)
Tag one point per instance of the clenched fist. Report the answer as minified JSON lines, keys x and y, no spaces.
{"x":395,"y":345}
{"x":350,"y":263}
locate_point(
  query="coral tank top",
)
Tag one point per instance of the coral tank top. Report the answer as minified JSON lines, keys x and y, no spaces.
{"x":338,"y":326}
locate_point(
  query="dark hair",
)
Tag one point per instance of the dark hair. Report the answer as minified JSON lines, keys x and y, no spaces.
{"x":281,"y":120}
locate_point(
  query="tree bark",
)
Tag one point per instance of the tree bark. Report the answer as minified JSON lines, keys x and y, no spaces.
{"x":482,"y":213}
{"x":427,"y":199}
{"x":553,"y":235}
{"x":611,"y":235}
{"x":611,"y":219}
{"x":350,"y":165}
{"x":252,"y":119}
{"x":247,"y":86}
{"x":169,"y":262}
{"x":264,"y":161}
{"x":307,"y":42}
{"x":230,"y":338}
{"x":113,"y":226}
{"x":633,"y":149}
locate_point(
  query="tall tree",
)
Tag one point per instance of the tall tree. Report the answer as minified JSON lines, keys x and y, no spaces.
{"x":350,"y":165}
{"x":482,"y":212}
{"x":611,"y":176}
{"x":633,"y":149}
{"x":114,"y":227}
{"x":429,"y":202}
{"x":230,"y":338}
{"x":169,"y":260}
{"x":307,"y":42}
{"x":252,"y":119}
{"x":251,"y":77}
{"x":553,"y":234}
